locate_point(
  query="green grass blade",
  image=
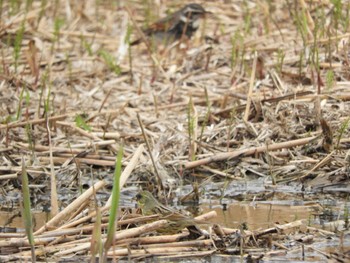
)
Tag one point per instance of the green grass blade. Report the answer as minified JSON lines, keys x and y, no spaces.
{"x":114,"y":204}
{"x":27,"y":215}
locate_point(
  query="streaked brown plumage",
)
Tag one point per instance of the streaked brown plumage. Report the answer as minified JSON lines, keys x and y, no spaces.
{"x":183,"y":22}
{"x":177,"y":221}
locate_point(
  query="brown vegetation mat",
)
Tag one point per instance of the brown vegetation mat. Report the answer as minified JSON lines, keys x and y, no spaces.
{"x":262,"y":90}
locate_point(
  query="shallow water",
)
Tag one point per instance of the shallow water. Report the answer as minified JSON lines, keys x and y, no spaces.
{"x":253,"y":205}
{"x":261,"y":215}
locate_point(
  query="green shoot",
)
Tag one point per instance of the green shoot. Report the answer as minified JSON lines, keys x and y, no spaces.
{"x":127,"y":40}
{"x":231,"y":124}
{"x":342,"y":130}
{"x":27,"y":215}
{"x":110,"y":61}
{"x":81,"y":123}
{"x":115,"y":204}
{"x":207,"y":115}
{"x":237,"y":43}
{"x":19,"y":109}
{"x":247,"y":17}
{"x":337,"y":14}
{"x":330,"y":79}
{"x":42,"y":9}
{"x":191,"y":129}
{"x":28,"y":4}
{"x":18,"y":44}
{"x":47,"y":101}
{"x":346,"y":217}
{"x":86,"y":46}
{"x":57,"y":27}
{"x":15,"y":6}
{"x":280,"y":58}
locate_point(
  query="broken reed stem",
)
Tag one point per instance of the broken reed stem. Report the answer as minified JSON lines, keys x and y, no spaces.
{"x":251,"y":85}
{"x":87,"y":134}
{"x":32,"y":122}
{"x":169,"y":249}
{"x":125,"y":175}
{"x":119,"y":235}
{"x":54,"y":198}
{"x":133,"y":232}
{"x":150,"y":152}
{"x":324,"y":161}
{"x":55,"y":221}
{"x":62,"y":150}
{"x":245,"y":152}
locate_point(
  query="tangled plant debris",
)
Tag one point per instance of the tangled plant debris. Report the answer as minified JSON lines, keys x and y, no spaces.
{"x":258,"y":96}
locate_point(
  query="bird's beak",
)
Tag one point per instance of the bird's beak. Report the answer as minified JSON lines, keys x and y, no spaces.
{"x":136,"y":197}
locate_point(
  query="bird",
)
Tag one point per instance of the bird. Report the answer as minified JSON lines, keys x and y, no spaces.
{"x":176,"y":221}
{"x":150,"y":205}
{"x":182,"y":23}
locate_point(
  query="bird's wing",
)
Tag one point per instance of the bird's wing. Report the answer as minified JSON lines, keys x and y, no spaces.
{"x":165,"y":24}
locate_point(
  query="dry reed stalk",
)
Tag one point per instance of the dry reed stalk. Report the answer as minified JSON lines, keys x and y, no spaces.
{"x":321,"y":163}
{"x":108,"y":135}
{"x":33,"y":122}
{"x":205,"y":217}
{"x":8,"y":176}
{"x":220,"y":173}
{"x":245,"y":152}
{"x":62,"y":160}
{"x":68,"y":231}
{"x":241,"y":108}
{"x":149,"y":251}
{"x":54,"y":198}
{"x":90,"y":217}
{"x":43,"y":148}
{"x":190,"y":255}
{"x":120,"y":235}
{"x":126,"y":173}
{"x":53,"y":222}
{"x":278,"y":228}
{"x":229,"y":231}
{"x":207,"y":243}
{"x":151,"y":239}
{"x":324,"y":232}
{"x":85,"y":133}
{"x":11,"y":235}
{"x":161,"y":183}
{"x":251,"y":86}
{"x":137,"y":220}
{"x":17,"y":169}
{"x":331,"y":38}
{"x":132,"y":232}
{"x":23,"y":241}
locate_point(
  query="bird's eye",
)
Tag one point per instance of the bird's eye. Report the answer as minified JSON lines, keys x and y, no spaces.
{"x":138,"y":197}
